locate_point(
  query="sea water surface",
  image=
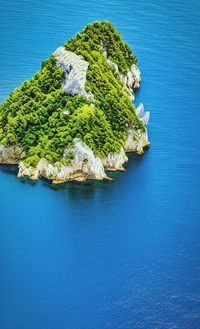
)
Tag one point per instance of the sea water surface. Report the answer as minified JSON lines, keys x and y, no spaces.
{"x":123,"y":255}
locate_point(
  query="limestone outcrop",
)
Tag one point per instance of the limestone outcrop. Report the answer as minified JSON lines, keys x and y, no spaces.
{"x":131,"y":80}
{"x":115,"y":161}
{"x":75,"y":69}
{"x":136,"y":141}
{"x":142,"y":115}
{"x":10,"y":154}
{"x":83,"y":166}
{"x":45,"y":122}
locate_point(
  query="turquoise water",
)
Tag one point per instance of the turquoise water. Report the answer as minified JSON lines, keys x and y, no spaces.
{"x":122,"y":255}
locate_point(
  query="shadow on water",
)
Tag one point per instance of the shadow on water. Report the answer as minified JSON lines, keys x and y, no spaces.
{"x":13,"y":170}
{"x":74,"y":185}
{"x":135,"y":160}
{"x":9,"y":169}
{"x":90,"y":187}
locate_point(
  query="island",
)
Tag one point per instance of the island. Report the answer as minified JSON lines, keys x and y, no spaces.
{"x":75,"y":119}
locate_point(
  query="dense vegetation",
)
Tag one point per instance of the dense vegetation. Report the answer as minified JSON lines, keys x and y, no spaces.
{"x":42,"y":119}
{"x":102,"y":35}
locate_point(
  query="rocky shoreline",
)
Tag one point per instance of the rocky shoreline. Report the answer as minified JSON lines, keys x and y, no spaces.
{"x":83,"y":166}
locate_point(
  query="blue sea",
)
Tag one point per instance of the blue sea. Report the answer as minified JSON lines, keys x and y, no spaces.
{"x":120,"y":255}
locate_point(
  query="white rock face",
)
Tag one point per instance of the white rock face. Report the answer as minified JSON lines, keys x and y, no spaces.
{"x":85,"y":161}
{"x":137,"y":139}
{"x":115,"y":161}
{"x":143,"y":116}
{"x":131,"y":80}
{"x":10,"y":155}
{"x":75,"y":69}
{"x":135,"y":76}
{"x":83,"y":166}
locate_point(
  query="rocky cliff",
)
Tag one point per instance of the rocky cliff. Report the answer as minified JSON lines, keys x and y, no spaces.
{"x":75,"y":119}
{"x":85,"y":165}
{"x":75,"y":70}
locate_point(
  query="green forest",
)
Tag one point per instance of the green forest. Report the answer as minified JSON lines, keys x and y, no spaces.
{"x":43,"y":120}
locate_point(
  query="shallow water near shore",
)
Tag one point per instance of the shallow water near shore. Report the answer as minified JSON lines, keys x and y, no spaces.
{"x":118,"y":255}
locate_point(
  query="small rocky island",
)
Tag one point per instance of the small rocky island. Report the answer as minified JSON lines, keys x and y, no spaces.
{"x":75,"y":120}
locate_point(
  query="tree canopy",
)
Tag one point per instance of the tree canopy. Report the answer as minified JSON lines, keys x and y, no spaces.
{"x":43,"y":120}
